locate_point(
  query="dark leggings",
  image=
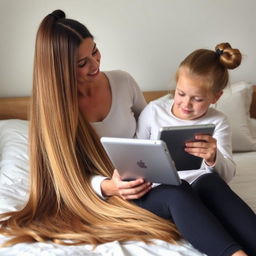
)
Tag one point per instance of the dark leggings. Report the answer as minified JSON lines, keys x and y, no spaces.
{"x":208,"y":214}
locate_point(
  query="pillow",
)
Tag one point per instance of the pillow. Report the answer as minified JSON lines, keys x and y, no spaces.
{"x":235,"y":103}
{"x":253,"y":126}
{"x":13,"y":164}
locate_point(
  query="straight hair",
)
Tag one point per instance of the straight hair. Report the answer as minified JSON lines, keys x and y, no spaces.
{"x":65,"y":152}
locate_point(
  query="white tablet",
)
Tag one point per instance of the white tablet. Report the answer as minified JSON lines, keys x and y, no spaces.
{"x":135,"y":158}
{"x":175,"y":138}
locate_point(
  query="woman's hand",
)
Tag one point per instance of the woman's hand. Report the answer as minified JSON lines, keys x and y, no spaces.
{"x":128,"y":190}
{"x":205,"y":147}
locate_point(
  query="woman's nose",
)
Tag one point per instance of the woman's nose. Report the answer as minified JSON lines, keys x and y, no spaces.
{"x":94,"y":63}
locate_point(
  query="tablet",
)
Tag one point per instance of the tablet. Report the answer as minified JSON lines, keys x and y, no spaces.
{"x":175,"y":138}
{"x":136,"y":158}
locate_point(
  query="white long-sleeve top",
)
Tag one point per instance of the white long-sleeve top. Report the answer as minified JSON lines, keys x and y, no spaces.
{"x":158,"y":114}
{"x":127,"y":104}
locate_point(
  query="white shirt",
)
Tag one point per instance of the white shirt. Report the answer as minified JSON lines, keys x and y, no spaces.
{"x":158,"y":114}
{"x":127,"y":104}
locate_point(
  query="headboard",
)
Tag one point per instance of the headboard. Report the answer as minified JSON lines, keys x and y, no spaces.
{"x":18,"y":107}
{"x":11,"y":108}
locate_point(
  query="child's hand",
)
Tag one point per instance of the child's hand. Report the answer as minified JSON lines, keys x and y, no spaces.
{"x":128,"y":190}
{"x":205,"y":147}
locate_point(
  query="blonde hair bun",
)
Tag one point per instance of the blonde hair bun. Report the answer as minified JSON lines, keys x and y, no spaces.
{"x":229,"y":57}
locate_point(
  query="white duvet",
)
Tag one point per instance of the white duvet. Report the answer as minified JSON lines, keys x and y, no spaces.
{"x":13,"y":195}
{"x":109,"y":249}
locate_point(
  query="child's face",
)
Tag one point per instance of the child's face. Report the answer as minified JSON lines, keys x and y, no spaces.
{"x":192,"y":97}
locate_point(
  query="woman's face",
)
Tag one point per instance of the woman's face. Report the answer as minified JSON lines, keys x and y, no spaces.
{"x":192,"y":96}
{"x":88,"y":64}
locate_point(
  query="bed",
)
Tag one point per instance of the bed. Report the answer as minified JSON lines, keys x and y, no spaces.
{"x":239,"y":103}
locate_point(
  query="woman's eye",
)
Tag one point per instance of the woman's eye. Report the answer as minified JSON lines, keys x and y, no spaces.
{"x":82,"y":64}
{"x":95,"y":51}
{"x":181,"y":94}
{"x":198,"y":99}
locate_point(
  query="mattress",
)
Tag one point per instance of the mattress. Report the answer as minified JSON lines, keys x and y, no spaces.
{"x":244,"y":183}
{"x":13,"y":195}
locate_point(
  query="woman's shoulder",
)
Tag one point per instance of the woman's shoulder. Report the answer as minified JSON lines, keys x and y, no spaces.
{"x":122,"y":81}
{"x":117,"y":74}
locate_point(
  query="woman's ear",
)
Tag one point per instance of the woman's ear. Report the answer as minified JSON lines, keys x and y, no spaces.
{"x":216,"y":97}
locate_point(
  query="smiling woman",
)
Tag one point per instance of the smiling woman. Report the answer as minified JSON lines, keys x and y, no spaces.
{"x":88,"y":60}
{"x":66,"y":154}
{"x":93,"y":86}
{"x":65,"y":150}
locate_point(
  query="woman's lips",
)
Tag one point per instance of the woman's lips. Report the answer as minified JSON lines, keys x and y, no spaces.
{"x":94,"y":73}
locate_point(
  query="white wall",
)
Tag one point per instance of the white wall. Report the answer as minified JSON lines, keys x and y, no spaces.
{"x":147,"y":38}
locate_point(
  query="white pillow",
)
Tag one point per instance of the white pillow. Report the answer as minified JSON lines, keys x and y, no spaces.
{"x":13,"y":164}
{"x":235,"y":103}
{"x":253,"y":126}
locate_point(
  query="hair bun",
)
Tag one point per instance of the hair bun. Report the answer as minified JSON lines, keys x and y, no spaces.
{"x":58,"y":14}
{"x":229,"y":57}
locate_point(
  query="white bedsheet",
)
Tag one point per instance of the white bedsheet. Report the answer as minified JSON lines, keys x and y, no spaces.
{"x":160,"y":248}
{"x":13,"y":195}
{"x":244,"y":183}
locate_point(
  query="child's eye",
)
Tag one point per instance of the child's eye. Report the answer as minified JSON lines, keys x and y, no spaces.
{"x":181,"y":94}
{"x":198,"y":99}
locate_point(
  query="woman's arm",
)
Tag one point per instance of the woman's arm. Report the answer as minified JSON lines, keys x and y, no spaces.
{"x":144,"y":123}
{"x":139,"y":101}
{"x":128,"y":190}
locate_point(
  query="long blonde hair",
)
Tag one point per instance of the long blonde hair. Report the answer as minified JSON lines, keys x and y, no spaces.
{"x":64,"y":153}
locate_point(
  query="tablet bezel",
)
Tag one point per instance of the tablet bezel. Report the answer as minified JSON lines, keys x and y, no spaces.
{"x":175,"y":138}
{"x":125,"y":153}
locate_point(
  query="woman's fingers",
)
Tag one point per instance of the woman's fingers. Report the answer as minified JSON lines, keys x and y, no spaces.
{"x":130,"y":189}
{"x":135,"y":192}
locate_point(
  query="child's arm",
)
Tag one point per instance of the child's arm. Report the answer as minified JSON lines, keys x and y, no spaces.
{"x":217,"y":150}
{"x":205,"y":147}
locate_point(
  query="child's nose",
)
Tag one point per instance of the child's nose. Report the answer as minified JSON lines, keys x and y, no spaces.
{"x":187,"y":101}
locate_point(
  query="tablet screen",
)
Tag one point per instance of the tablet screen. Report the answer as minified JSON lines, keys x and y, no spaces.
{"x":175,"y":138}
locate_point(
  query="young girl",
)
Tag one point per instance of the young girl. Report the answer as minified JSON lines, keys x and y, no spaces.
{"x":207,"y":212}
{"x":201,"y":78}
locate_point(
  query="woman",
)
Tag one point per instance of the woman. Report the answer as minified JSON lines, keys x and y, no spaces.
{"x":65,"y":151}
